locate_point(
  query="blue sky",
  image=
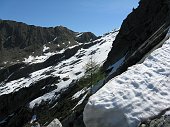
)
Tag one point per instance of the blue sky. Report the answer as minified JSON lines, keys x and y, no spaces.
{"x":97,"y":16}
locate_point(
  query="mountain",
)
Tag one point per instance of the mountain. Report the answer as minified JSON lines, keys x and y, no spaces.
{"x":19,"y":40}
{"x":142,"y":30}
{"x":53,"y":76}
{"x":49,"y":85}
{"x":140,"y":95}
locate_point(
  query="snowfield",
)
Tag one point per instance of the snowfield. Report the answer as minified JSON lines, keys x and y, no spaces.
{"x":70,"y":69}
{"x":141,"y":92}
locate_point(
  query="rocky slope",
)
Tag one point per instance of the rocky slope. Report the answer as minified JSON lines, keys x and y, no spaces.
{"x":161,"y":120}
{"x":47,"y":86}
{"x":19,"y":40}
{"x":42,"y":73}
{"x":143,"y":29}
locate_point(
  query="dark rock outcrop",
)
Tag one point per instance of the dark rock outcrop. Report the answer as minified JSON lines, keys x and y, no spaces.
{"x":143,"y":29}
{"x":160,"y":120}
{"x":19,"y":40}
{"x":164,"y":121}
{"x":85,"y":37}
{"x":14,"y":103}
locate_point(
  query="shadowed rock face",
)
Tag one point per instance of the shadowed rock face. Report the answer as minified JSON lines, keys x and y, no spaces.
{"x":163,"y":121}
{"x":87,"y":36}
{"x":15,"y":102}
{"x":139,"y":25}
{"x":19,"y":40}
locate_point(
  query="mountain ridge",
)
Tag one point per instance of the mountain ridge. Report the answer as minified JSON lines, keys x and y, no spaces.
{"x":49,"y":83}
{"x":19,"y":40}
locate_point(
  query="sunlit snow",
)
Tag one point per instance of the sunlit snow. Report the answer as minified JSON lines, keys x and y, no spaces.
{"x":72,"y":68}
{"x":140,"y":92}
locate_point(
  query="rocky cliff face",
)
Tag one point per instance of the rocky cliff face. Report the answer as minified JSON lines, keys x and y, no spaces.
{"x":144,"y":28}
{"x":19,"y":40}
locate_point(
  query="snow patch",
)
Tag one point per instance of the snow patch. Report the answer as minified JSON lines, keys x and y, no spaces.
{"x":29,"y":59}
{"x":55,"y":39}
{"x":15,"y":85}
{"x":45,"y":48}
{"x":81,"y":101}
{"x":167,"y":113}
{"x":51,"y":95}
{"x":34,"y":118}
{"x":79,"y":34}
{"x":115,"y":66}
{"x":40,"y":59}
{"x":79,"y":93}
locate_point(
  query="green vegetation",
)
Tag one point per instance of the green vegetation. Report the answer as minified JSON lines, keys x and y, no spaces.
{"x":93,"y":74}
{"x":91,"y":80}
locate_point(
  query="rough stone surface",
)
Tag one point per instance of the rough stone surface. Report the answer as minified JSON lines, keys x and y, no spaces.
{"x":163,"y":121}
{"x":139,"y":25}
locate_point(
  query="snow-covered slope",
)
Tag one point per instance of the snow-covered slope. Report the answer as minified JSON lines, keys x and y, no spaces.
{"x":69,"y":69}
{"x":50,"y":83}
{"x":141,"y":92}
{"x":75,"y":65}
